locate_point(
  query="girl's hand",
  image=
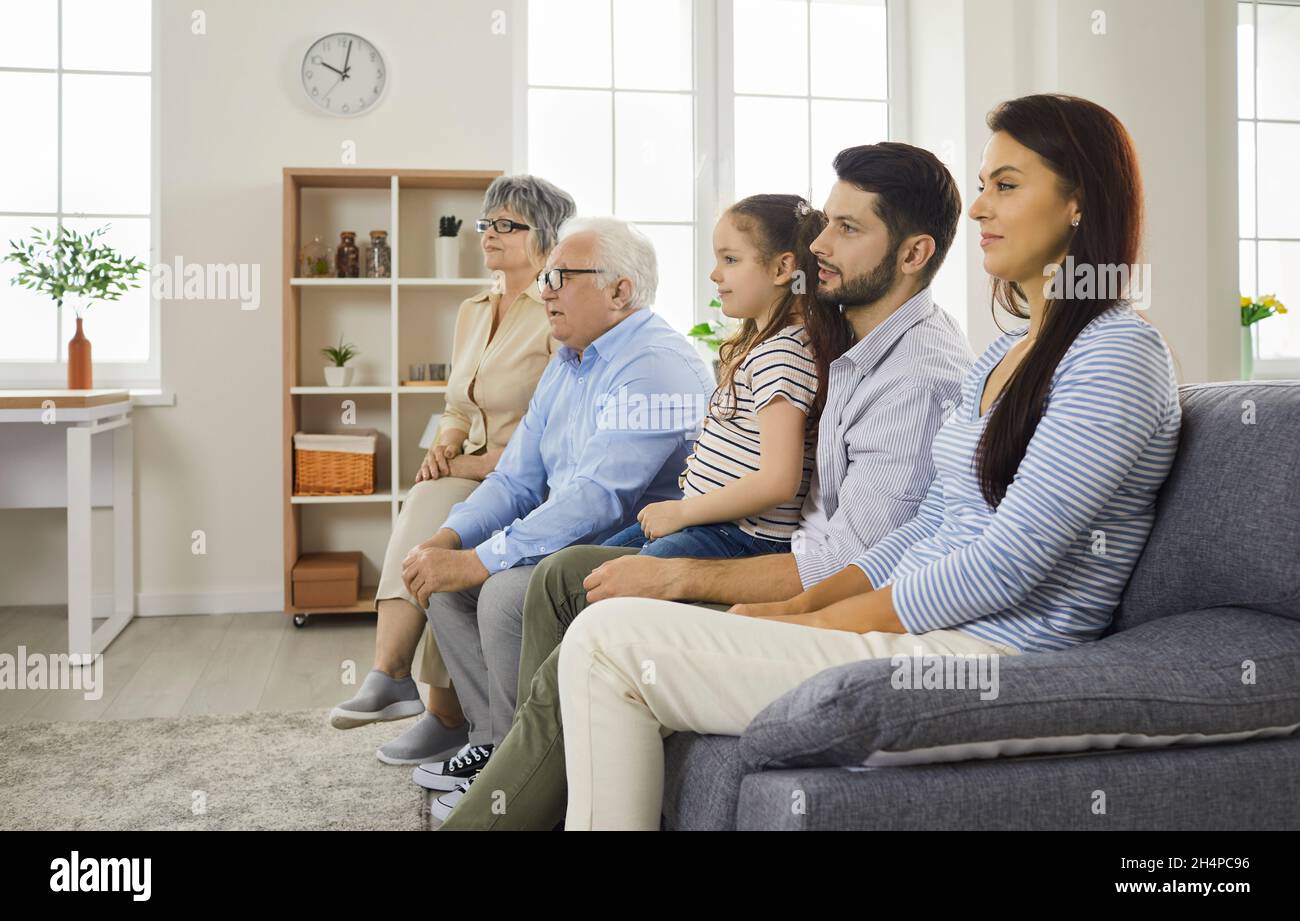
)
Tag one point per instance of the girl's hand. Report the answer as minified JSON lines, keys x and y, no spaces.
{"x":659,"y":519}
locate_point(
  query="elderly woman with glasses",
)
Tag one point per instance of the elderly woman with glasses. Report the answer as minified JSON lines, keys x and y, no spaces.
{"x":501,"y":345}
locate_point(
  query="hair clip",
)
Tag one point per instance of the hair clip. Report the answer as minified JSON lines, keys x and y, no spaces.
{"x":803,"y":209}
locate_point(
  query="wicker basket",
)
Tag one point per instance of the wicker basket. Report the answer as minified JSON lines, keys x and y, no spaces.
{"x":334,"y":465}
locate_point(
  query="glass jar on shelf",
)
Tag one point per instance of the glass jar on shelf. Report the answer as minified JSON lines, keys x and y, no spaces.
{"x":348,"y":261}
{"x":315,"y":260}
{"x":379,"y":257}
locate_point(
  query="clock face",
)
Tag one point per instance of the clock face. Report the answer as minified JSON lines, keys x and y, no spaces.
{"x":344,"y":74}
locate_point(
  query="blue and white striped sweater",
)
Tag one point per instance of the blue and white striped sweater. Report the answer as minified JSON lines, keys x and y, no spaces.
{"x":1046,"y":570}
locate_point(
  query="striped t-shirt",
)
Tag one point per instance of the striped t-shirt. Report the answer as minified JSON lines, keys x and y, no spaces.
{"x":1046,"y":569}
{"x":728,"y":446}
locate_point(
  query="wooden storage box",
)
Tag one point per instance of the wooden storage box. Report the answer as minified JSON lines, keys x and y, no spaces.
{"x":334,"y":465}
{"x":327,"y":579}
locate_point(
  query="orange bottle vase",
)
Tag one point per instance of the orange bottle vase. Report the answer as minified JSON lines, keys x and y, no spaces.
{"x":79,"y":367}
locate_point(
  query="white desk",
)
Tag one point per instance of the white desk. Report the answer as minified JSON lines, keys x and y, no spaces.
{"x":87,"y":413}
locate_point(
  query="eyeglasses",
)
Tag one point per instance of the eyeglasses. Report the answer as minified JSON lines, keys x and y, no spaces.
{"x":500,"y":225}
{"x":554,"y":279}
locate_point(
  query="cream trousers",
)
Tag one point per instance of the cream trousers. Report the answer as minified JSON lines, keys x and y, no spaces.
{"x":422,"y":514}
{"x":634,"y":670}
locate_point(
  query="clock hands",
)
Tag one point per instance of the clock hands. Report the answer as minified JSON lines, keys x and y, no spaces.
{"x":343,"y":73}
{"x":342,"y":77}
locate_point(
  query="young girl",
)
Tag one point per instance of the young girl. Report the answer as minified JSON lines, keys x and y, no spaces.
{"x":745,"y":482}
{"x":1066,"y":431}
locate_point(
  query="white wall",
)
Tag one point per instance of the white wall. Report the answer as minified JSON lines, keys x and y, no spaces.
{"x":1167,"y":69}
{"x":233,"y":116}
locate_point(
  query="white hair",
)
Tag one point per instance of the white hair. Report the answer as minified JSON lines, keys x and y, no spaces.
{"x":620,"y":251}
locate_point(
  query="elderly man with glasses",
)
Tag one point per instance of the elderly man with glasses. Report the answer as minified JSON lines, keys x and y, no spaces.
{"x":607,"y":432}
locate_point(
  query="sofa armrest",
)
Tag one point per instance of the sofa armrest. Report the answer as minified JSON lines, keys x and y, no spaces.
{"x":1206,"y":673}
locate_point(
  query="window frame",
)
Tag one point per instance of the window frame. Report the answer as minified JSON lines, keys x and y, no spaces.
{"x":713,"y":120}
{"x":1264,"y":368}
{"x":520,"y":97}
{"x":142,"y":375}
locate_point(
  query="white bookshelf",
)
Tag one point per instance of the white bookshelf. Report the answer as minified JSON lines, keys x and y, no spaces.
{"x":395,"y":322}
{"x":336,"y":500}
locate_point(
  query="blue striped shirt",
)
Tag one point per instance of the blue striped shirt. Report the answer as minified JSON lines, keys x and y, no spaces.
{"x":886,"y":398}
{"x":1046,"y":569}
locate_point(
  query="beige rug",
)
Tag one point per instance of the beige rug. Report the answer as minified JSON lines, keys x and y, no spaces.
{"x":246,"y":771}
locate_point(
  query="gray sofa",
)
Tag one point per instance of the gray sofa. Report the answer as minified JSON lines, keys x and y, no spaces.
{"x":1206,"y":642}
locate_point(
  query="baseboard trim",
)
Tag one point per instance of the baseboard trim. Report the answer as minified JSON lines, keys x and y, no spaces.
{"x":167,"y":604}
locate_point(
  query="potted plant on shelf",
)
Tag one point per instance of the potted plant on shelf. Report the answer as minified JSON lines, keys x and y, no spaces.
{"x":712,"y":334}
{"x":447,"y":247}
{"x":62,"y":264}
{"x":338,"y":374}
{"x":1252,"y":311}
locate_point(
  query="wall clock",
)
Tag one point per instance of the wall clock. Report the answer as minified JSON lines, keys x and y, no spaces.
{"x":343,"y":74}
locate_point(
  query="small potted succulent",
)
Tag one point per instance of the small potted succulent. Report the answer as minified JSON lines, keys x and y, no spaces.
{"x":338,"y":374}
{"x":447,"y":247}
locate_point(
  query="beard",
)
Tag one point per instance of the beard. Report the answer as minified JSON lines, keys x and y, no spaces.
{"x":863,"y":290}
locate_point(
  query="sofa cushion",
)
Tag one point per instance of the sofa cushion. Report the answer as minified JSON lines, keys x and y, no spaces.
{"x":1228,"y":518}
{"x":1205,"y":673}
{"x":702,"y":776}
{"x":1251,"y":786}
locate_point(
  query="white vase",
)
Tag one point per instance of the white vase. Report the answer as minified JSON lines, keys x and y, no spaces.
{"x":337,"y":377}
{"x":446,"y":255}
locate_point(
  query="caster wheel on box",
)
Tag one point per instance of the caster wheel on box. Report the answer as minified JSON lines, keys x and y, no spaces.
{"x":300,"y":620}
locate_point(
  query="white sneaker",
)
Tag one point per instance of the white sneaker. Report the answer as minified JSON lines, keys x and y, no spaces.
{"x":441,"y":807}
{"x":447,"y":775}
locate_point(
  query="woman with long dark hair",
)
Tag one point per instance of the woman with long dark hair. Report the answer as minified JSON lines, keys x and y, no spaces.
{"x":1047,"y":474}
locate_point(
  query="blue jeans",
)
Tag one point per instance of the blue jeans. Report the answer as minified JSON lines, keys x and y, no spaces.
{"x":700,"y":542}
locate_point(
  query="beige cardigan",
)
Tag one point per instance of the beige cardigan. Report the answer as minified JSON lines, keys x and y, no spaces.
{"x":492,"y":382}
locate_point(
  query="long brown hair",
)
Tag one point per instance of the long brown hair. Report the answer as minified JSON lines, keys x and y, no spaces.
{"x":778,"y":224}
{"x":1093,"y":157}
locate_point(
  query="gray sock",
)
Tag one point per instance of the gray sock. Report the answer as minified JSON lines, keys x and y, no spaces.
{"x":378,"y":691}
{"x":380,"y":698}
{"x":426,"y":740}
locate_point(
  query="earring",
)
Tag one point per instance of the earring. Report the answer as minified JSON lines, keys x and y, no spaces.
{"x":1074,"y":223}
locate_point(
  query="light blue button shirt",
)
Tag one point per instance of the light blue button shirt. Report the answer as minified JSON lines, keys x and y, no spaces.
{"x":606,"y":433}
{"x":885,"y":399}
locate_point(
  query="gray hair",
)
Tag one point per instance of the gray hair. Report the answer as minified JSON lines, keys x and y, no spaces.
{"x":541,"y":204}
{"x":621,"y":251}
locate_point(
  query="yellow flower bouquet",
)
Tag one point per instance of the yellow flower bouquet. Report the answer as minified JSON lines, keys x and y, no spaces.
{"x":1252,"y":311}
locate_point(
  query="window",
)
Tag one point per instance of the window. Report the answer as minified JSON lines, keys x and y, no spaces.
{"x":77,"y":76}
{"x":663,"y":112}
{"x":611,"y":105}
{"x":1268,"y":109}
{"x":818,"y":68}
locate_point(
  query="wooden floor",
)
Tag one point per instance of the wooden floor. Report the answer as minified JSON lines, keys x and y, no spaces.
{"x":177,"y":666}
